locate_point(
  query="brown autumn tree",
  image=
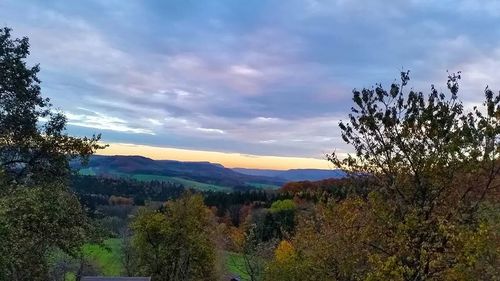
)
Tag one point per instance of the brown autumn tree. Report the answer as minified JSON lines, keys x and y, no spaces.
{"x":431,"y":170}
{"x":433,"y":164}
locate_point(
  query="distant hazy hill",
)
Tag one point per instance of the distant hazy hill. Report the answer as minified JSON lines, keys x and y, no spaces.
{"x":200,"y":175}
{"x":294,"y":174}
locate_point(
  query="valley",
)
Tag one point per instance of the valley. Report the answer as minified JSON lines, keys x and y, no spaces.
{"x":202,"y":176}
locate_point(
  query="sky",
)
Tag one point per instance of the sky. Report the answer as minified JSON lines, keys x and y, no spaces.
{"x":244,"y":83}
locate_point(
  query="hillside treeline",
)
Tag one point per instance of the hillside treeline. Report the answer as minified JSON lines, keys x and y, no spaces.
{"x":93,"y":191}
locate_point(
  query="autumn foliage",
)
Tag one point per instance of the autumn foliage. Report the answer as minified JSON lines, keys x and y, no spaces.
{"x":429,"y":209}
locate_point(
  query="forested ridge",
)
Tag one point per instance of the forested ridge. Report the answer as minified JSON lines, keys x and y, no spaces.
{"x":420,"y":199}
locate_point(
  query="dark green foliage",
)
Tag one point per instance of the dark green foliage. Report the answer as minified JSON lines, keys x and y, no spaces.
{"x":224,"y":200}
{"x":35,"y":221}
{"x":94,"y":191}
{"x":329,"y":189}
{"x":272,"y":225}
{"x":31,"y":152}
{"x":37,"y":211}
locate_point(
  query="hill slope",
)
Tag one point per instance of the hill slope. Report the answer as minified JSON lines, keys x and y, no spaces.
{"x":294,"y":174}
{"x":200,"y":175}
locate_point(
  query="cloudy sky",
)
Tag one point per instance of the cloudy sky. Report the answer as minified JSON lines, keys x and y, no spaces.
{"x":244,"y":78}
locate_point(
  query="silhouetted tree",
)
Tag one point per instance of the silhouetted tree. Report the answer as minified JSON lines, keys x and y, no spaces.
{"x":37,"y":213}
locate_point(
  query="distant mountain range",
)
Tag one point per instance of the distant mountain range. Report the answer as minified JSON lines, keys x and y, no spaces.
{"x":294,"y":174}
{"x":199,"y":175}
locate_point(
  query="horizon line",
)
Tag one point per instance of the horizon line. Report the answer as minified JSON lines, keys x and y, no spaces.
{"x":227,"y":159}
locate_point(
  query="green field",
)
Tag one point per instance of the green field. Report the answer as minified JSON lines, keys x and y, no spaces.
{"x":187,"y":183}
{"x":108,"y":257}
{"x":149,"y":177}
{"x":263,"y":185}
{"x":87,"y":172}
{"x":236,"y":265}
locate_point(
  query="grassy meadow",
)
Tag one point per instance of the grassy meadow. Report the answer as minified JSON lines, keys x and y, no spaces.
{"x":108,"y":258}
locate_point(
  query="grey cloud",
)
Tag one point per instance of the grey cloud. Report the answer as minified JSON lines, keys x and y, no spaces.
{"x":257,"y":77}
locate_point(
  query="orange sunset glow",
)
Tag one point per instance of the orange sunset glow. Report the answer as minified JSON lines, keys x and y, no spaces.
{"x":230,"y":160}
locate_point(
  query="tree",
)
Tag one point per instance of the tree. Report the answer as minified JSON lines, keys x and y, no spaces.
{"x":283,"y":212}
{"x":37,"y":213}
{"x":35,"y":222}
{"x":256,"y":253}
{"x":430,"y":207}
{"x":328,"y":245}
{"x":431,"y":165}
{"x":177,"y":243}
{"x":33,"y":145}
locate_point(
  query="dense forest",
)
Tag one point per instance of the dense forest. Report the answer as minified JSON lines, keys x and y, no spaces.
{"x":420,"y":199}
